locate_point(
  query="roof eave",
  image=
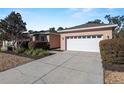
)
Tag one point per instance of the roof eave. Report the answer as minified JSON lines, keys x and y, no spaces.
{"x":88,"y":28}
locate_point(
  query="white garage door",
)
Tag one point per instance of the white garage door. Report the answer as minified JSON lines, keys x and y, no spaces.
{"x":84,"y":43}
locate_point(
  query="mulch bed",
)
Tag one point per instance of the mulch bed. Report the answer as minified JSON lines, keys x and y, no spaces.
{"x":113,"y":77}
{"x":10,"y":60}
{"x":114,"y":74}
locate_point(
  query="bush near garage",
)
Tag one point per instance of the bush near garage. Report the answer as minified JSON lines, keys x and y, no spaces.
{"x":112,"y":54}
{"x":112,"y":51}
{"x":34,"y":45}
{"x":121,"y":33}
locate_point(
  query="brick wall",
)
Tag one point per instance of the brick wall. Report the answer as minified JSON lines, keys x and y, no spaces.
{"x":54,"y":40}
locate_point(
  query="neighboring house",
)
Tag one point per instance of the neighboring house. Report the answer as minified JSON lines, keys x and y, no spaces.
{"x":52,"y":38}
{"x":85,"y":37}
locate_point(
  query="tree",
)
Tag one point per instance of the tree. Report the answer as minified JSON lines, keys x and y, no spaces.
{"x":3,"y":30}
{"x":108,"y":17}
{"x":60,"y":28}
{"x":96,"y":21}
{"x":30,"y":31}
{"x":119,"y":20}
{"x":4,"y":36}
{"x":13,"y":25}
{"x":115,"y":20}
{"x":52,"y":29}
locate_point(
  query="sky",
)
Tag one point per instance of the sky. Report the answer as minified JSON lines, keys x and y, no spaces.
{"x":44,"y":18}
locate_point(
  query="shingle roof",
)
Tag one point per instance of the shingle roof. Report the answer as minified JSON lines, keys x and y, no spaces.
{"x":86,"y":25}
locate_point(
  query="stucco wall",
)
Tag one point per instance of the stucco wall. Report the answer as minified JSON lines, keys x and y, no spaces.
{"x":105,"y":32}
{"x":54,"y":40}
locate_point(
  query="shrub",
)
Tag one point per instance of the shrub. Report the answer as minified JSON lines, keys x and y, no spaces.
{"x":43,"y":45}
{"x":31,"y":45}
{"x":112,"y":51}
{"x":28,"y":52}
{"x":19,"y":50}
{"x":121,"y":34}
{"x":36,"y":52}
{"x":45,"y":52}
{"x":40,"y":52}
{"x":34,"y":45}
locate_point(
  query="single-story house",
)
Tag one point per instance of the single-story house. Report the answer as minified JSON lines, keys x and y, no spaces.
{"x":52,"y":38}
{"x":85,"y":37}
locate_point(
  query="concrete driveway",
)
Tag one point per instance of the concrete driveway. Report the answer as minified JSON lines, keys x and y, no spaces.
{"x":64,"y":67}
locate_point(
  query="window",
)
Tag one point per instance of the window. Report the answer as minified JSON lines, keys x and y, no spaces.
{"x":79,"y":37}
{"x":99,"y":36}
{"x":83,"y":36}
{"x":37,"y":37}
{"x":93,"y":36}
{"x":42,"y":38}
{"x":67,"y":37}
{"x":75,"y":37}
{"x":88,"y":36}
{"x":71,"y":37}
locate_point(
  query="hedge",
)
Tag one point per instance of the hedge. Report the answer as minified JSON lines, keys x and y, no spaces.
{"x":112,"y":51}
{"x":121,"y":34}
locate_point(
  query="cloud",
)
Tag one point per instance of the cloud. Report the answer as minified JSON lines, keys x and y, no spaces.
{"x":78,"y":12}
{"x":81,"y":9}
{"x":2,"y":16}
{"x":87,"y":10}
{"x":113,"y":11}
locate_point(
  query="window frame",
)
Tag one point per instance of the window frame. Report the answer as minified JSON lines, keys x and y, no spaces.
{"x":99,"y":36}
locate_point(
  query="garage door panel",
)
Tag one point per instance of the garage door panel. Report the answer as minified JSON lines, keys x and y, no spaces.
{"x":87,"y":44}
